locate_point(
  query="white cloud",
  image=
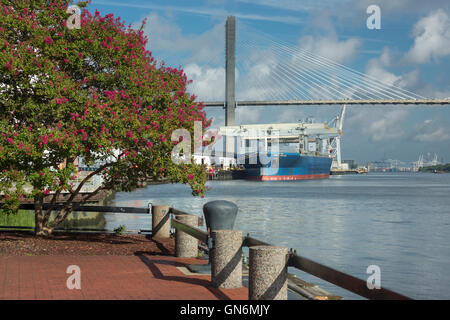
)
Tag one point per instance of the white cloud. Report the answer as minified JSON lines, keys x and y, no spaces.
{"x":439,"y":134}
{"x":379,"y":124}
{"x":207,"y":11}
{"x":293,"y":5}
{"x":386,"y":125}
{"x":260,"y":81}
{"x":208,"y":84}
{"x":411,"y":81}
{"x":165,"y":35}
{"x":290,"y":115}
{"x":331,"y":47}
{"x":376,"y":68}
{"x":429,"y":91}
{"x":250,"y":115}
{"x":397,"y":6}
{"x":430,"y":131}
{"x":257,"y":84}
{"x":432,"y":38}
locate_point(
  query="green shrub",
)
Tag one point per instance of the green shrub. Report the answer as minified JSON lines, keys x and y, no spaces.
{"x":120,"y":229}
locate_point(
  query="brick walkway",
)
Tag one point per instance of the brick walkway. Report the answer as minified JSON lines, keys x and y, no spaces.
{"x":107,"y":277}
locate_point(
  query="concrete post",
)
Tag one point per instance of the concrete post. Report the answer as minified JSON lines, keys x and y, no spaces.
{"x":160,"y":222}
{"x":186,"y":246}
{"x":226,"y":262}
{"x":267,"y":273}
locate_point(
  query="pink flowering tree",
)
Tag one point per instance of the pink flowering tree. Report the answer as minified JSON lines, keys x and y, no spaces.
{"x":93,"y":92}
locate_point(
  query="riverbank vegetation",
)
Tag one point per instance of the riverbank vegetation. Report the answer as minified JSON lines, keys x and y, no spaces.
{"x":437,"y":168}
{"x":85,"y":220}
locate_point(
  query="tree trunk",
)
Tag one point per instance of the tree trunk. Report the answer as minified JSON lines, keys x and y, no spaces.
{"x":40,"y":229}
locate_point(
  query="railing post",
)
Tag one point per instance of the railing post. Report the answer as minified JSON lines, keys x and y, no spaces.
{"x":160,"y":222}
{"x":186,"y":246}
{"x":226,"y":262}
{"x":267,"y":273}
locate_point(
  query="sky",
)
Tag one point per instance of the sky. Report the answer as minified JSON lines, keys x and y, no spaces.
{"x":411,"y":51}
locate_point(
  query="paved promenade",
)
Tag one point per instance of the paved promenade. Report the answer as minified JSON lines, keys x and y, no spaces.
{"x":108,"y":277}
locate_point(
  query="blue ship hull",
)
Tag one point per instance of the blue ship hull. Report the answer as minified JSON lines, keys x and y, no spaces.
{"x":289,"y":166}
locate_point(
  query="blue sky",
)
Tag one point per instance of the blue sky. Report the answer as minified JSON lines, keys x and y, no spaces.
{"x":410,"y":51}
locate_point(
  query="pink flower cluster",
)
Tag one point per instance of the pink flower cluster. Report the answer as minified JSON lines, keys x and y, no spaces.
{"x":61,"y":100}
{"x":48,"y":40}
{"x":110,"y":94}
{"x":44,"y":140}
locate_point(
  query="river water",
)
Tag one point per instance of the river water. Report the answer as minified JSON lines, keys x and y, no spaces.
{"x":399,"y":222}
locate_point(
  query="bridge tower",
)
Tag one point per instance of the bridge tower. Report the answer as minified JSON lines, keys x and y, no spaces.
{"x":230,"y":81}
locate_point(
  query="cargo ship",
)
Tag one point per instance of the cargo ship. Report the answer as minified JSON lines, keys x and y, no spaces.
{"x":290,"y":166}
{"x":288,"y":151}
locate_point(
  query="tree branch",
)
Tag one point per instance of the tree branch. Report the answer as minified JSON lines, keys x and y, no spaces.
{"x":61,"y":218}
{"x":56,"y":194}
{"x":52,"y":204}
{"x":63,"y":212}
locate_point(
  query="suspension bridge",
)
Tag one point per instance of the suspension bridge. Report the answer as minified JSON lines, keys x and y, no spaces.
{"x":284,"y":75}
{"x":269,"y":72}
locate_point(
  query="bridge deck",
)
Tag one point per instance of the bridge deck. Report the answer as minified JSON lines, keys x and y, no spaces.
{"x":331,"y":102}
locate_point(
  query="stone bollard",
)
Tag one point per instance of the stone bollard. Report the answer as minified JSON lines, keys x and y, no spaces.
{"x":226,"y":259}
{"x":267,"y":273}
{"x":160,"y":222}
{"x":186,"y":246}
{"x":220,"y":214}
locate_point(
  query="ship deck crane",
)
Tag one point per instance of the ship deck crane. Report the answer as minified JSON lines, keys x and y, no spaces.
{"x":340,"y":125}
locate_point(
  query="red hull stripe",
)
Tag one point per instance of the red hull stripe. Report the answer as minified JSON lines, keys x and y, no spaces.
{"x":291,"y":177}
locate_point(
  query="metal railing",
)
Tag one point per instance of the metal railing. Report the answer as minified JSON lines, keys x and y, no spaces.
{"x":318,"y":270}
{"x":45,"y":206}
{"x":195,"y":232}
{"x":109,"y":209}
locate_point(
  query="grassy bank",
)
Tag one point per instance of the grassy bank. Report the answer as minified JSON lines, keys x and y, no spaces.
{"x":25,"y":218}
